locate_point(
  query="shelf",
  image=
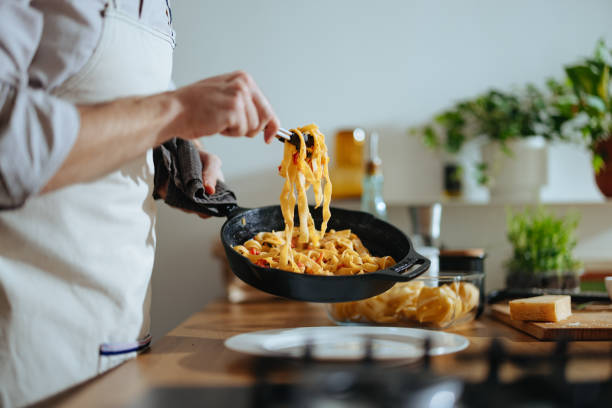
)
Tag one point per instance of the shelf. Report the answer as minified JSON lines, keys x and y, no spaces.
{"x":483,"y":203}
{"x":354,"y":203}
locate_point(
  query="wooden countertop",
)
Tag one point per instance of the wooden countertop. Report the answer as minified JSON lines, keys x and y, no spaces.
{"x":193,"y":354}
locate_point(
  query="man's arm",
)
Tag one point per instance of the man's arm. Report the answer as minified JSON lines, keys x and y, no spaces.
{"x":37,"y":130}
{"x":111,"y":134}
{"x":39,"y":133}
{"x":47,"y":143}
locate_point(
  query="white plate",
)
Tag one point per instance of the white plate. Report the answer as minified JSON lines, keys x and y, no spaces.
{"x":346,"y":342}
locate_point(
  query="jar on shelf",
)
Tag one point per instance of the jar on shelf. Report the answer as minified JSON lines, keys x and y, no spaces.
{"x":346,"y":171}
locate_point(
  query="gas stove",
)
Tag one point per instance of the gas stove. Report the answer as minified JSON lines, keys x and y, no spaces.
{"x":306,"y":383}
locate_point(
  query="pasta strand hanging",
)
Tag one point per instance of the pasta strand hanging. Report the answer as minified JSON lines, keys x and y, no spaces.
{"x":306,"y":249}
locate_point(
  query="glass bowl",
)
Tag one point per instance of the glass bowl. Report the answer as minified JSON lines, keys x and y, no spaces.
{"x":433,"y":302}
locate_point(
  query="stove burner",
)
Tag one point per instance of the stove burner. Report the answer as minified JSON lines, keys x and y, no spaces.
{"x":547,"y":389}
{"x":307,"y":383}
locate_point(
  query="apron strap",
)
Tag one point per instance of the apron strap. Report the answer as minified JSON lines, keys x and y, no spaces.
{"x":113,"y":349}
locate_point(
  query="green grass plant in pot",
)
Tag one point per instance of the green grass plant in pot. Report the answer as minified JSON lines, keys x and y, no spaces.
{"x":584,"y":102}
{"x":542,"y":245}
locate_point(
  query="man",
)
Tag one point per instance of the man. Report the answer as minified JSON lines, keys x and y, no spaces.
{"x":83,"y":101}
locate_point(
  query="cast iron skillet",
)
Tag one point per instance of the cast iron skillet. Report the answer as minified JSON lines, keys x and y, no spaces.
{"x":381,"y":238}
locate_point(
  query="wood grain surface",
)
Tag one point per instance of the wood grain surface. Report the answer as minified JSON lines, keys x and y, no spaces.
{"x":594,"y":322}
{"x":193,"y":354}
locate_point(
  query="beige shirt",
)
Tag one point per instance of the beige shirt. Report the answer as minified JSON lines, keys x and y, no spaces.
{"x":42,"y":44}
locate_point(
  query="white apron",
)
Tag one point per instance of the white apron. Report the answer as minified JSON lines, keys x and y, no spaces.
{"x":75,"y":264}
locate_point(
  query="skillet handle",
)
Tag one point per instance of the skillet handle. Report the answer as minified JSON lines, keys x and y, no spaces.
{"x":229,"y":210}
{"x":405,"y":271}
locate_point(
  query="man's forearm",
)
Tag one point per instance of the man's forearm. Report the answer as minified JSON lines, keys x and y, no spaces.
{"x":114,"y":133}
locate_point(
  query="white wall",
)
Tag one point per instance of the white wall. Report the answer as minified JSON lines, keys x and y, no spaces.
{"x":384,"y":65}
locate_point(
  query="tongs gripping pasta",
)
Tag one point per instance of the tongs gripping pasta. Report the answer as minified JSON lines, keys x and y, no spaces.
{"x":286,"y":136}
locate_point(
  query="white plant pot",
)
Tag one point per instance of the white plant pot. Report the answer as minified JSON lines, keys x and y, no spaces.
{"x":520,"y":176}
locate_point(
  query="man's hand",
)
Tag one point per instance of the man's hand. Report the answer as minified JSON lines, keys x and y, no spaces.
{"x":230,"y":104}
{"x":211,"y":168}
{"x":211,"y":173}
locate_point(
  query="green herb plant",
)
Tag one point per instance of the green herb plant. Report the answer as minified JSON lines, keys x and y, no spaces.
{"x":542,"y":242}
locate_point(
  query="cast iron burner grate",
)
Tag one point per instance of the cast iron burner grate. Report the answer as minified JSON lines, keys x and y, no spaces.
{"x":306,"y":383}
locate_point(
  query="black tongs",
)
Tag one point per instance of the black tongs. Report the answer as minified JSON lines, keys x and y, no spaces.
{"x":286,"y":136}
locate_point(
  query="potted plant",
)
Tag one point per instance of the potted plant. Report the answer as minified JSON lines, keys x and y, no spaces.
{"x":513,"y":128}
{"x":584,"y":104}
{"x":542,"y":246}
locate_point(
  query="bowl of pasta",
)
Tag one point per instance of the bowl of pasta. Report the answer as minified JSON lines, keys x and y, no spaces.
{"x":435,"y":302}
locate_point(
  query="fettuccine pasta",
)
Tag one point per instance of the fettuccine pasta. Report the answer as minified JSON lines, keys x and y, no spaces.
{"x":306,"y":249}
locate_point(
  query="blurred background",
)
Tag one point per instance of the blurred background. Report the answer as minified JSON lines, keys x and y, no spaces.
{"x":384,"y":66}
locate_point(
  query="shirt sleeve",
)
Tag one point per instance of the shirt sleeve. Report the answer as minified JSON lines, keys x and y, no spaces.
{"x":37,"y":130}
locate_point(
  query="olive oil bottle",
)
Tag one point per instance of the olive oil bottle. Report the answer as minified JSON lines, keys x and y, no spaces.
{"x":372,"y":188}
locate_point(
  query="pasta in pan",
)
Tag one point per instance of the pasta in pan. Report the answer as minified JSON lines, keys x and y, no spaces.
{"x":306,"y":249}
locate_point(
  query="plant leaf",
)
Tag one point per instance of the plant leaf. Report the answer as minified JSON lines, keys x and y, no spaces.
{"x":604,"y":84}
{"x":595,"y":102}
{"x":482,"y":178}
{"x":584,"y":80}
{"x":598,"y":163}
{"x":430,"y":138}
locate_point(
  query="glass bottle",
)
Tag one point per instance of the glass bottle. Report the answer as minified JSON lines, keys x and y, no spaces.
{"x":372,"y":195}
